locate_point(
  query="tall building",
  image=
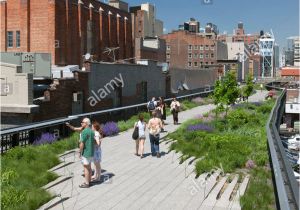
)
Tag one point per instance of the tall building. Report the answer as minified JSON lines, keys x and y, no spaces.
{"x":297,"y":51}
{"x":188,"y":50}
{"x":276,"y":57}
{"x":266,"y":48}
{"x":214,"y":28}
{"x":192,"y":26}
{"x":239,"y":35}
{"x":144,"y":22}
{"x":67,"y":29}
{"x":291,"y":53}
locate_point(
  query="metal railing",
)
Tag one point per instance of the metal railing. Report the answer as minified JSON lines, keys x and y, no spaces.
{"x":24,"y":135}
{"x":285,"y":184}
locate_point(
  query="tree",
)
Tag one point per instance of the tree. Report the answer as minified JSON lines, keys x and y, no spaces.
{"x":230,"y":90}
{"x":217,"y":96}
{"x":249,"y":86}
{"x":226,"y":92}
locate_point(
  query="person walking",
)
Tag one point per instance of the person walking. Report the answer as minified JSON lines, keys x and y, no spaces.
{"x":175,"y":108}
{"x":163,"y":110}
{"x":86,"y":151}
{"x":151,"y":106}
{"x":140,"y":142}
{"x":97,"y":151}
{"x":154,"y":127}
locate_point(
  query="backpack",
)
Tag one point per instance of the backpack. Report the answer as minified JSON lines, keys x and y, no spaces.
{"x":151,"y":105}
{"x":135,"y":134}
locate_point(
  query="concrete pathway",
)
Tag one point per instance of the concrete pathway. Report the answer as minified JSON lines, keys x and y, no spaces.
{"x":129,"y":182}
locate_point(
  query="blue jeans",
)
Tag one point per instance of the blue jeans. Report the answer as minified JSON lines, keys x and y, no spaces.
{"x":154,"y":140}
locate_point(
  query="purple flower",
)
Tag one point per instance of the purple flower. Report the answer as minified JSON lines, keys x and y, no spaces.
{"x":110,"y":129}
{"x":250,"y":164}
{"x":45,"y":138}
{"x":257,"y":103}
{"x":236,"y":106}
{"x":199,"y":127}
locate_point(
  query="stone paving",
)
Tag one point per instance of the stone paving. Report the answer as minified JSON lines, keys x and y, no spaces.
{"x":129,"y":182}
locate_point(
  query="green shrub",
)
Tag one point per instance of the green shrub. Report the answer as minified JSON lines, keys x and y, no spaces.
{"x":25,"y":171}
{"x":260,"y":192}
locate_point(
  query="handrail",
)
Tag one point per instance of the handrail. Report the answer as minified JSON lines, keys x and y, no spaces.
{"x":48,"y":123}
{"x":287,"y":193}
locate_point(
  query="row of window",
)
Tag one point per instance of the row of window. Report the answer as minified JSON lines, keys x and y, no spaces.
{"x":196,"y":47}
{"x":196,"y":55}
{"x":201,"y":47}
{"x":10,"y":39}
{"x":196,"y":64}
{"x":201,"y":55}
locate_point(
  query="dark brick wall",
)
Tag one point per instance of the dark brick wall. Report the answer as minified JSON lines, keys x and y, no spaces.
{"x":59,"y":27}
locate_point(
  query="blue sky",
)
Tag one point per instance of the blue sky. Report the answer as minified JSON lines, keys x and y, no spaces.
{"x":282,"y":16}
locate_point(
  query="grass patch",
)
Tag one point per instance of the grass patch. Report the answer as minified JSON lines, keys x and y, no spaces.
{"x":25,"y":170}
{"x":259,"y":194}
{"x":230,"y":143}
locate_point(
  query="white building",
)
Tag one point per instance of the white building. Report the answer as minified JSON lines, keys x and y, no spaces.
{"x":266,"y":49}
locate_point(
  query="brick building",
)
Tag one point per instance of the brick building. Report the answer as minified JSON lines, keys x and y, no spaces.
{"x":190,"y":50}
{"x":240,"y":36}
{"x":144,"y":22}
{"x":68,"y":29}
{"x":150,"y":48}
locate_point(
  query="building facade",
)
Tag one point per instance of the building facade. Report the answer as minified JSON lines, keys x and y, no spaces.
{"x":189,"y":50}
{"x":67,"y":29}
{"x":240,"y":36}
{"x":144,"y":22}
{"x":150,"y":48}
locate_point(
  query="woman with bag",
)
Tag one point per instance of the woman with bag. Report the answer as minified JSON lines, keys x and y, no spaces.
{"x":154,"y":127}
{"x":139,"y":136}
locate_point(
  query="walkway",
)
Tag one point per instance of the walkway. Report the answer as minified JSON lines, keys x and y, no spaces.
{"x":150,"y":183}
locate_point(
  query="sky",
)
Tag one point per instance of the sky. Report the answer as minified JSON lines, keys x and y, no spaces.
{"x":282,"y":16}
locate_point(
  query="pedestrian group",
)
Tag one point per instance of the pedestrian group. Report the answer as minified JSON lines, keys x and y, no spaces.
{"x":91,"y":136}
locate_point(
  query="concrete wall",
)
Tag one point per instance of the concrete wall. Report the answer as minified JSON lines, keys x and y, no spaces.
{"x":16,"y":87}
{"x":193,"y":79}
{"x":132,"y":75}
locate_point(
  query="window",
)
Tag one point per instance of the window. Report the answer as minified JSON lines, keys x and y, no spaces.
{"x":196,"y":47}
{"x":195,"y":55}
{"x":168,"y":55}
{"x":201,"y":55}
{"x":18,"y":39}
{"x":212,"y":47}
{"x":168,"y":47}
{"x":190,"y":55}
{"x":206,"y":56}
{"x":206,"y":47}
{"x":212,"y":55}
{"x":206,"y":63}
{"x":195,"y":64}
{"x":201,"y":47}
{"x":190,"y":64}
{"x":212,"y":63}
{"x":10,"y":42}
{"x":190,"y":47}
{"x":201,"y":63}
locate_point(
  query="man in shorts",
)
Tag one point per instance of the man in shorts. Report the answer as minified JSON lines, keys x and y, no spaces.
{"x":86,"y":151}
